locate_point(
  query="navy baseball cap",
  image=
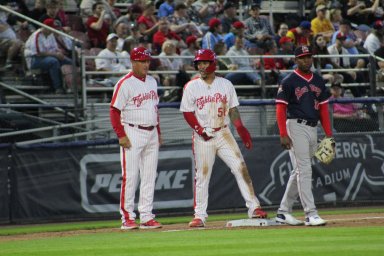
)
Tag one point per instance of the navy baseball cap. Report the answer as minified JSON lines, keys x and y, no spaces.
{"x":305,"y":25}
{"x":302,"y":50}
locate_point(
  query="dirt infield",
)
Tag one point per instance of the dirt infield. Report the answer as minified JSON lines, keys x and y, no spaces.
{"x":348,"y":220}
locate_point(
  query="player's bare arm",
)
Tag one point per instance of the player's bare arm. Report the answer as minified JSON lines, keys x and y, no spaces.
{"x":234,"y":114}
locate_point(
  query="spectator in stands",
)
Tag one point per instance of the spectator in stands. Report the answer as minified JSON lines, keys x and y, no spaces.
{"x":115,"y":10}
{"x":237,"y":29}
{"x":206,"y":10}
{"x":228,"y":17}
{"x":134,"y":39}
{"x":193,"y":46}
{"x":63,"y":16}
{"x":122,"y":31}
{"x":163,"y":34}
{"x":219,"y":7}
{"x":192,"y":13}
{"x":42,"y":52}
{"x":111,"y":60}
{"x":286,"y":48}
{"x":52,"y":10}
{"x":242,"y":64}
{"x":342,"y":110}
{"x":257,"y":29}
{"x":181,"y":24}
{"x":274,"y":65}
{"x":9,"y":43}
{"x":319,"y":47}
{"x":357,"y":12}
{"x":344,"y":62}
{"x":98,"y":28}
{"x":21,"y":27}
{"x":281,"y":32}
{"x":335,"y":17}
{"x":362,"y":31}
{"x":349,"y":117}
{"x":86,"y":8}
{"x":223,"y":63}
{"x":351,"y":39}
{"x":213,"y":35}
{"x":321,"y":24}
{"x":166,"y":9}
{"x":38,"y":10}
{"x":301,"y":35}
{"x":147,"y":22}
{"x":130,"y":18}
{"x":172,"y":64}
{"x":375,"y":39}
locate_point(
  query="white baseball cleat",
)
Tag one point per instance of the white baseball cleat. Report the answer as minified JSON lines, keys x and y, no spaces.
{"x":314,"y":221}
{"x":288,"y":219}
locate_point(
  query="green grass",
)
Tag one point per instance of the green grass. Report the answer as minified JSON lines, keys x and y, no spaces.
{"x":90,"y":225}
{"x":303,"y":241}
{"x":324,"y":241}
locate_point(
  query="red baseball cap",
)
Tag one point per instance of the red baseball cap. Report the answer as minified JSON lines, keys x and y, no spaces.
{"x":51,"y":23}
{"x":285,"y":39}
{"x":238,"y":24}
{"x":214,"y":22}
{"x":190,"y":40}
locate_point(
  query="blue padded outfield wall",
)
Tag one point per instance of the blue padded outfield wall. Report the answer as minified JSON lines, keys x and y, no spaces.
{"x":78,"y":181}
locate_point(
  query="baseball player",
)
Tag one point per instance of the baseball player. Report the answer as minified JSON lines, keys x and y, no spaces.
{"x":302,"y":100}
{"x":135,"y":119}
{"x":209,"y":103}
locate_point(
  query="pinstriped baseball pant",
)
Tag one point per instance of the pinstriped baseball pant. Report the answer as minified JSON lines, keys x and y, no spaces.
{"x":225,"y":146}
{"x":139,"y":161}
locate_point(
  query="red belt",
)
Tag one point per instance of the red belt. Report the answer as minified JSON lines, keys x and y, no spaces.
{"x":147,"y":128}
{"x":219,"y":128}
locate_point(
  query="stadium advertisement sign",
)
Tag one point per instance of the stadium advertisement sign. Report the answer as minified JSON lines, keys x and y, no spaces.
{"x":79,"y":182}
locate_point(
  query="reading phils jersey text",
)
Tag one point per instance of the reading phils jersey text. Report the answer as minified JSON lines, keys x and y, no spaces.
{"x":210,"y":103}
{"x":137,"y":100}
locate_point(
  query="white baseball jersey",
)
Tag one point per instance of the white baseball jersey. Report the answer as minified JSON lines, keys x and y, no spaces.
{"x":37,"y":43}
{"x":137,"y":100}
{"x":211,"y":103}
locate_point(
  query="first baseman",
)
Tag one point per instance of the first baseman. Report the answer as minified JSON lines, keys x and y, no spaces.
{"x":302,"y":100}
{"x":135,"y":119}
{"x":209,"y":103}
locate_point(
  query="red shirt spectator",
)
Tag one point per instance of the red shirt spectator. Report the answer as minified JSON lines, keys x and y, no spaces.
{"x":98,"y":28}
{"x":163,"y":34}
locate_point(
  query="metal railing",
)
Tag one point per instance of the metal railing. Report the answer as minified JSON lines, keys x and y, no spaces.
{"x":75,"y":42}
{"x":257,"y":115}
{"x":262,"y":71}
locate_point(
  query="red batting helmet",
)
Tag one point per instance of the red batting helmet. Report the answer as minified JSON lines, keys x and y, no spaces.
{"x":206,"y":55}
{"x":140,"y":54}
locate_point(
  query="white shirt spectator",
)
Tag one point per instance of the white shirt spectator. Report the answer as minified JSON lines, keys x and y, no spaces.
{"x":242,"y":63}
{"x":44,"y":44}
{"x":112,"y":61}
{"x":170,"y":63}
{"x":372,"y":43}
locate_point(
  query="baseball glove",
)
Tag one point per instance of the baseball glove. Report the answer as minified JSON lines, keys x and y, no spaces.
{"x":326,"y":150}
